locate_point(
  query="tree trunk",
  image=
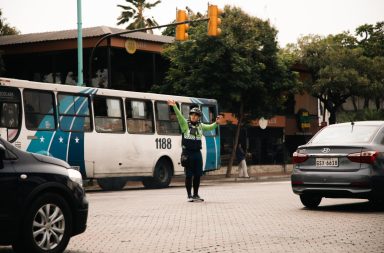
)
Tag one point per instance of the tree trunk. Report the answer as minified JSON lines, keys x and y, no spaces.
{"x":332,"y":117}
{"x":377,"y":102}
{"x":236,"y":141}
{"x":354,"y":103}
{"x":366,"y":103}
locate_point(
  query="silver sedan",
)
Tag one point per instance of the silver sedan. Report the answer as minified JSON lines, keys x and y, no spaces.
{"x":341,"y":161}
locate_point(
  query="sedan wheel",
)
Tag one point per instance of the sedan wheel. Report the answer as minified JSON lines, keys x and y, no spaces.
{"x":310,"y":201}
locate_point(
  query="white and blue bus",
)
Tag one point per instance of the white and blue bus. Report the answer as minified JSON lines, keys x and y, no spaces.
{"x":110,"y":135}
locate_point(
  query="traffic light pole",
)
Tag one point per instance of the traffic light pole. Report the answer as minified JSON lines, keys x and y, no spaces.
{"x":132,"y":31}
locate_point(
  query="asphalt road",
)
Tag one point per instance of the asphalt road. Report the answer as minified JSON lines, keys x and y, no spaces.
{"x":235,"y":217}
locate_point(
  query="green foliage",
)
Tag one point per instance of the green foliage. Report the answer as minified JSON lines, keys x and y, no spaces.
{"x":337,"y":66}
{"x":242,"y":66}
{"x":344,"y":65}
{"x":371,"y":39}
{"x":133,"y":14}
{"x":361,"y":115}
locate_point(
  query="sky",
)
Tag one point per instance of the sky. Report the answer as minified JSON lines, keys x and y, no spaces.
{"x":292,"y":18}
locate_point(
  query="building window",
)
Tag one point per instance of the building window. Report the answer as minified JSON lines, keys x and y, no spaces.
{"x":74,"y":113}
{"x":39,"y":110}
{"x":166,"y":120}
{"x":108,"y":115}
{"x":139,"y":116}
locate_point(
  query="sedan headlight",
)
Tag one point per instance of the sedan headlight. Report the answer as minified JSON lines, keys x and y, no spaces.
{"x":75,"y":176}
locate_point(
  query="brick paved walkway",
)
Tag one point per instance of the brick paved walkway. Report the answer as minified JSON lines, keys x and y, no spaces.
{"x":236,"y":217}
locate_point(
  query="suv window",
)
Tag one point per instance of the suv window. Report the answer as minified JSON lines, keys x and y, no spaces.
{"x":8,"y":155}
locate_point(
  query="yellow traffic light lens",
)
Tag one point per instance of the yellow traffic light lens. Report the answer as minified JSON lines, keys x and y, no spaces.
{"x":181,"y":30}
{"x":214,"y":20}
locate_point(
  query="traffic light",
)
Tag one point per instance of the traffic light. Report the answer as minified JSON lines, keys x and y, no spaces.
{"x":181,"y":30}
{"x":214,"y":20}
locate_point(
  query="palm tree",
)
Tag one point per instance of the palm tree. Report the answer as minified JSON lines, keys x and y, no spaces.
{"x":134,"y":14}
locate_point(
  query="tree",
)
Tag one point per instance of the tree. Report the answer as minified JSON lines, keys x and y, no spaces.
{"x":133,"y":14}
{"x":5,"y":29}
{"x":371,"y":39}
{"x":241,"y":69}
{"x":337,"y":66}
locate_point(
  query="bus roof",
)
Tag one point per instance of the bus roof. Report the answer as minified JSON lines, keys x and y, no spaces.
{"x":100,"y":91}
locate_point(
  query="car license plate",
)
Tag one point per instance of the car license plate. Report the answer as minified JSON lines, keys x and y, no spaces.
{"x":327,"y":162}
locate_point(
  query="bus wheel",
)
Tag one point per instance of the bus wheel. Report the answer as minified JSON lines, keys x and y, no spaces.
{"x":112,"y":183}
{"x":162,"y":175}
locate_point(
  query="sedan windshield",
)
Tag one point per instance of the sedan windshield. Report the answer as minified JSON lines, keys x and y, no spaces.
{"x":345,"y":134}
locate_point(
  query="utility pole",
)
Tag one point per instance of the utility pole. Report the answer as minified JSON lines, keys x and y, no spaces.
{"x":79,"y":46}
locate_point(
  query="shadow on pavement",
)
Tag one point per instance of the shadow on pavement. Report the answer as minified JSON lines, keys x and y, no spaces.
{"x":6,"y":249}
{"x":363,"y":207}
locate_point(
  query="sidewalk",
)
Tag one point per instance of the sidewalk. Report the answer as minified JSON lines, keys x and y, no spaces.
{"x":256,"y":173}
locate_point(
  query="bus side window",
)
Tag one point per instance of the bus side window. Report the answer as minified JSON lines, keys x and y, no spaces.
{"x":108,"y":114}
{"x":139,"y":116}
{"x":9,"y":115}
{"x":209,"y":116}
{"x":166,"y":120}
{"x":39,"y":110}
{"x":74,"y":113}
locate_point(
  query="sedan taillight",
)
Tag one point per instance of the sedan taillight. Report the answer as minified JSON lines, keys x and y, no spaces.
{"x":299,"y":158}
{"x":363,"y":157}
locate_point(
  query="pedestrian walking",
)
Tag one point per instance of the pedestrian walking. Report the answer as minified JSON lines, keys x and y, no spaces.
{"x":191,"y":158}
{"x":240,"y":154}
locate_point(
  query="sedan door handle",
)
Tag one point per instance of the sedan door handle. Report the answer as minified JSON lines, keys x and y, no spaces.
{"x":23,"y":176}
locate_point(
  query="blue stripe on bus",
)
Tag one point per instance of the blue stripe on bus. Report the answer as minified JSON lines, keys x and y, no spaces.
{"x":76,"y":146}
{"x":211,"y":154}
{"x":67,"y":146}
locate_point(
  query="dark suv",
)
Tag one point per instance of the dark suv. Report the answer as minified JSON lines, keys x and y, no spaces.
{"x":42,"y":201}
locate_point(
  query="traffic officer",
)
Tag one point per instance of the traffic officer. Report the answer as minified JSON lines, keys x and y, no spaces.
{"x":191,"y":159}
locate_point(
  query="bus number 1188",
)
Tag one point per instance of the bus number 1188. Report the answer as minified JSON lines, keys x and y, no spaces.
{"x":163,"y":143}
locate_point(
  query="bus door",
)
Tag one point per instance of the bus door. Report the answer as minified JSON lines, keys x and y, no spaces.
{"x":212,"y":138}
{"x":10,"y":113}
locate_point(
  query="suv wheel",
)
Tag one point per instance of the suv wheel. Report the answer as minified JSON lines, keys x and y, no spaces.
{"x":46,"y":226}
{"x":310,"y":201}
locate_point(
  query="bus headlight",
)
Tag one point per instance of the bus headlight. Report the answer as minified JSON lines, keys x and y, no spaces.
{"x":75,"y":176}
